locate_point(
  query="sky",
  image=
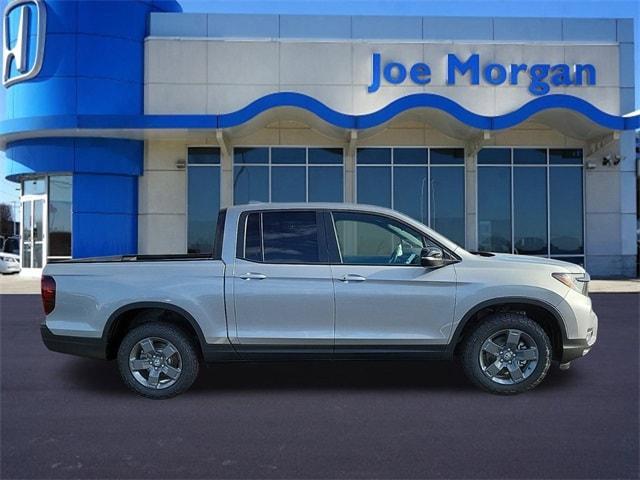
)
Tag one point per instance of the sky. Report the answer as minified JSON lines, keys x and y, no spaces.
{"x":460,"y":8}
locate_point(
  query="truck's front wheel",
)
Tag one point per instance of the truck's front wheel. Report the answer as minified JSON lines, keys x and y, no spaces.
{"x":507,"y":353}
{"x":157,"y":360}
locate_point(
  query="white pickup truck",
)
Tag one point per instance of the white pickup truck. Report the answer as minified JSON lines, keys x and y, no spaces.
{"x":320,"y":281}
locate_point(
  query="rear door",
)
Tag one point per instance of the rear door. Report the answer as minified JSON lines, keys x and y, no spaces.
{"x":282,"y":283}
{"x":385,"y":300}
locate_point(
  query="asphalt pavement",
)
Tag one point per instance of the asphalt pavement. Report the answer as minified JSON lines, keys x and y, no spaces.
{"x":67,"y":417}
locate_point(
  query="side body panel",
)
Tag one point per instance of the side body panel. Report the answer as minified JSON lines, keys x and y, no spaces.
{"x":291,"y":305}
{"x":393,"y":305}
{"x":89,"y":293}
{"x":514,"y":279}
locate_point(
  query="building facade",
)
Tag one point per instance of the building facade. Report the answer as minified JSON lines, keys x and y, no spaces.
{"x":141,"y":122}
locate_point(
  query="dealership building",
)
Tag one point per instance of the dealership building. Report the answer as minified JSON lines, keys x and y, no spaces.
{"x":130,"y":124}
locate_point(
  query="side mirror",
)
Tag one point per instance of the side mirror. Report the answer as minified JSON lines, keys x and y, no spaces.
{"x":432,"y":257}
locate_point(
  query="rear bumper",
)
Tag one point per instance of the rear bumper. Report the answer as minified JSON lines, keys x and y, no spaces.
{"x":80,"y":346}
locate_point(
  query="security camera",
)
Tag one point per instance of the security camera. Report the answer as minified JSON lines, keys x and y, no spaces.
{"x":606,"y":160}
{"x":617,"y":159}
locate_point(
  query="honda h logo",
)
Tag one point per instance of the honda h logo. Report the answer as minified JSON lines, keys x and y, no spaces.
{"x":24,"y":29}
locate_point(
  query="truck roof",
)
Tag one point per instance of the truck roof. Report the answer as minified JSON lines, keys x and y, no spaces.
{"x":310,"y":206}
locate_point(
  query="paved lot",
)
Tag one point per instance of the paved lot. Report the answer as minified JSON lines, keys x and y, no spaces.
{"x":65,"y":417}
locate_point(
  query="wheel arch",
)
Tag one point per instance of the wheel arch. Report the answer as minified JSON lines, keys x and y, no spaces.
{"x":121,"y":320}
{"x":539,"y":311}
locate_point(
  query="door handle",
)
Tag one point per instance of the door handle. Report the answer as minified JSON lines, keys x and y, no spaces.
{"x":253,"y":276}
{"x":352,"y":277}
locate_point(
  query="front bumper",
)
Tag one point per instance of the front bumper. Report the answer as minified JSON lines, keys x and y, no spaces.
{"x":573,"y":349}
{"x":80,"y":346}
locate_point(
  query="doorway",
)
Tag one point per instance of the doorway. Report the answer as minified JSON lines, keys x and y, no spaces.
{"x":33,"y":246}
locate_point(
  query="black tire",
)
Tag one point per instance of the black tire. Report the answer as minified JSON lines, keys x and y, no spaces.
{"x":494,"y":326}
{"x":189,"y":362}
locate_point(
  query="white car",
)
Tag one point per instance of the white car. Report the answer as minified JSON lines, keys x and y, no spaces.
{"x":9,"y":263}
{"x":320,"y":281}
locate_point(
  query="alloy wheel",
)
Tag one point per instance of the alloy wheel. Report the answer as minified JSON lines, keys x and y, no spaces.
{"x":509,"y":356}
{"x":155,"y":363}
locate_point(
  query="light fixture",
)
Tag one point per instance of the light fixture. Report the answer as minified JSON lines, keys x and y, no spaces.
{"x":181,"y":164}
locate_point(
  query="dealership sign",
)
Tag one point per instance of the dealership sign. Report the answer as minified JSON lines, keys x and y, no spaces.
{"x":539,"y":78}
{"x":23,"y":37}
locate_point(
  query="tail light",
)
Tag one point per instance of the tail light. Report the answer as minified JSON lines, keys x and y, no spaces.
{"x":48,"y":289}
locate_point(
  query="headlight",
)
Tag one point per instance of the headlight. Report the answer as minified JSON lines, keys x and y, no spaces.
{"x":576,"y":281}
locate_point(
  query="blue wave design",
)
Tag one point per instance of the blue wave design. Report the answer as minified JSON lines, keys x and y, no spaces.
{"x":333,"y":117}
{"x":427,"y":100}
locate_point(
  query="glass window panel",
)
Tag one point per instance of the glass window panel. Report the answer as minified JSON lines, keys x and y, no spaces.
{"x":204,"y":155}
{"x":251,"y":155}
{"x":447,"y":202}
{"x":326,"y":184}
{"x":411,"y":192}
{"x":60,"y":198}
{"x":26,"y":254}
{"x":494,"y":156}
{"x":253,"y":238}
{"x":26,"y":221}
{"x":530,"y":156}
{"x":38,"y":217}
{"x":37,"y":255}
{"x":33,"y":186}
{"x":380,"y":156}
{"x":203,"y":205}
{"x":565,"y":156}
{"x":415,"y":156}
{"x":451,"y":156}
{"x":290,"y":237}
{"x":494,"y":209}
{"x":374,"y":186}
{"x":288,"y":155}
{"x":565,"y":197}
{"x":250,"y":184}
{"x":288,"y":184}
{"x":530,"y":211}
{"x":376,"y":240}
{"x":26,"y":234}
{"x":326,"y":155}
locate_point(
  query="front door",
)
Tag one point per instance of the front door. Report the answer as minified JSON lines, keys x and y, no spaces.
{"x":33,"y":247}
{"x":385,"y":300}
{"x":282,"y":285}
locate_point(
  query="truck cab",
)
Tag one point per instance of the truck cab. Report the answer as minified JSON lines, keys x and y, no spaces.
{"x":320,"y":281}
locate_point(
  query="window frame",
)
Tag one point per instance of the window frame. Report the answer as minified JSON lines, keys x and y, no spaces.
{"x":428,"y":165}
{"x":307,"y":165}
{"x":333,"y":245}
{"x":547,"y":166}
{"x":323,"y":257}
{"x":221,"y":206}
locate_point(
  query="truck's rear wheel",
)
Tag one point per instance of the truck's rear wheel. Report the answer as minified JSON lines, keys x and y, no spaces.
{"x":507,"y":353}
{"x":157,"y":360}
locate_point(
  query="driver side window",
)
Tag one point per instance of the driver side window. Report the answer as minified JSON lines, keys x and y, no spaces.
{"x":369,"y":239}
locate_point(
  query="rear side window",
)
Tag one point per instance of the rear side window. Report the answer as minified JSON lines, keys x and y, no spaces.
{"x":217,"y":242}
{"x":282,"y":237}
{"x":253,"y":238}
